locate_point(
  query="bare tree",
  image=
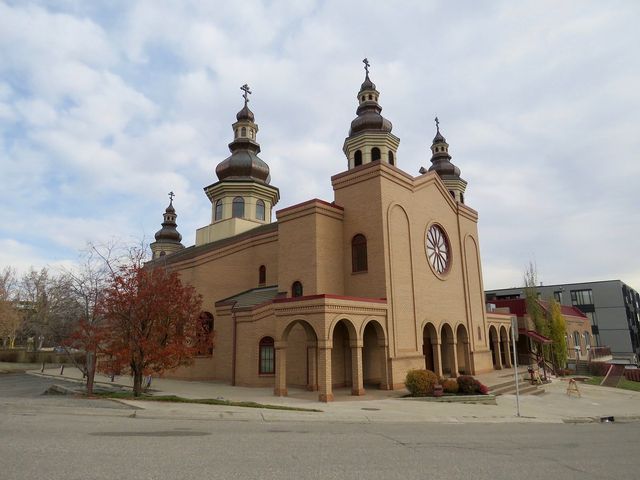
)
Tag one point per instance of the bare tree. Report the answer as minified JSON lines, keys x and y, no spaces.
{"x":10,"y":316}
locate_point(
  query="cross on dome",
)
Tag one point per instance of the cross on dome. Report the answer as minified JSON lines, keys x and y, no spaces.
{"x":366,"y":65}
{"x":437,"y":124}
{"x":245,"y":89}
{"x":171,"y":195}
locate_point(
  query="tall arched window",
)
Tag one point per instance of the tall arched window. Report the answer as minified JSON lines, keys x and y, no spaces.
{"x":391,"y":160}
{"x":375,"y":154}
{"x":218,"y":215}
{"x":262,"y":275}
{"x":243,"y":131}
{"x":576,"y":339}
{"x":267,"y":355}
{"x":260,"y":210}
{"x":296,"y":289}
{"x":238,"y":208}
{"x":357,"y":158}
{"x":359,"y":253}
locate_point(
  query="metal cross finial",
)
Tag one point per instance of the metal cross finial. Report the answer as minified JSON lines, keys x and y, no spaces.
{"x":437,"y":124}
{"x":171,"y":195}
{"x":366,"y":65}
{"x":245,"y":89}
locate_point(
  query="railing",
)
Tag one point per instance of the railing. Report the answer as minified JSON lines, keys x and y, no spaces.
{"x":599,"y":352}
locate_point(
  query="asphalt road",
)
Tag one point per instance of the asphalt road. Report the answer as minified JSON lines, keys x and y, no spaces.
{"x":37,"y":441}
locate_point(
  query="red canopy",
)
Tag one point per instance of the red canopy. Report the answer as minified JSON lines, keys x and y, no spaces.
{"x":534,"y":335}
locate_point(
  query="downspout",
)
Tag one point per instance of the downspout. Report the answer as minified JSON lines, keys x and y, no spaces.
{"x":233,"y":355}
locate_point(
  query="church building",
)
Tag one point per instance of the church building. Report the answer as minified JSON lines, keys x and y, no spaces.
{"x":352,"y":292}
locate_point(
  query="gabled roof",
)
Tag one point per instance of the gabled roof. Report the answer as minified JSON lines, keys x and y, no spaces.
{"x":251,"y":298}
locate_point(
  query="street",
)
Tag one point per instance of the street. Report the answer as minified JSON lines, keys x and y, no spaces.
{"x":43,"y":437}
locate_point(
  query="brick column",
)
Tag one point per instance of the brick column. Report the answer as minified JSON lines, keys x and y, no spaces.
{"x":454,"y":358}
{"x":385,"y":383}
{"x":467,"y":358}
{"x":496,"y":348}
{"x":280,"y":388}
{"x":312,"y":365}
{"x":507,"y":354}
{"x":324,"y":371}
{"x":437,"y":357}
{"x":357,"y":373}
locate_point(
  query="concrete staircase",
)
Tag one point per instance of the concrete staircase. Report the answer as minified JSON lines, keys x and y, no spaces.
{"x":509,"y":387}
{"x":502,"y":382}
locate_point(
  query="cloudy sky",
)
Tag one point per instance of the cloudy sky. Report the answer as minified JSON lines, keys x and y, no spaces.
{"x":107,"y":106}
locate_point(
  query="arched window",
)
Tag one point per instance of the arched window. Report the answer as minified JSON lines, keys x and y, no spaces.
{"x":370,"y":97}
{"x":238,"y":208}
{"x":262,"y":275}
{"x":359,"y":253}
{"x":218,"y":214}
{"x":461,"y":197}
{"x":260,"y":210}
{"x":375,"y":154}
{"x":296,"y":289}
{"x":576,"y":339}
{"x":391,"y":158}
{"x":204,"y":334}
{"x":243,"y":131}
{"x":357,"y":158}
{"x":267,"y":354}
{"x":587,"y":339}
{"x":237,"y":131}
{"x":162,"y":253}
{"x":363,"y":98}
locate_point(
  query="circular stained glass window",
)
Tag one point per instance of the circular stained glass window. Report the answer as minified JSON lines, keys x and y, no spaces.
{"x":438,"y":249}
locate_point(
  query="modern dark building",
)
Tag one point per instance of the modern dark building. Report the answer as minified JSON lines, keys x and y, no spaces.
{"x":612,"y":306}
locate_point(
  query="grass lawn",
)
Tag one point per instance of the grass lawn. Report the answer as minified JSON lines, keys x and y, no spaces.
{"x":202,"y":401}
{"x":623,"y":383}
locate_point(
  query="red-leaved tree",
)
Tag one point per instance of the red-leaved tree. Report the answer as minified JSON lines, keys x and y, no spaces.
{"x":150,"y":322}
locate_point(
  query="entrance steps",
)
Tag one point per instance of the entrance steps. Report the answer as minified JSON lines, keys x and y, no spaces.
{"x":502,"y":382}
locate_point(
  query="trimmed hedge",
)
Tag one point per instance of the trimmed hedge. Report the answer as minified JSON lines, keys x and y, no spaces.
{"x":420,"y":383}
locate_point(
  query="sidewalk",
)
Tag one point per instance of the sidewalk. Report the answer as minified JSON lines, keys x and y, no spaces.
{"x":554,"y":406}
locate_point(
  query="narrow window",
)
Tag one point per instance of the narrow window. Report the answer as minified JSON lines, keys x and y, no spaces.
{"x":267,"y":357}
{"x":260,"y":210}
{"x":375,"y":154}
{"x":363,"y":98}
{"x":243,"y":131}
{"x":359,"y":253}
{"x":262,"y":275}
{"x":237,"y":133}
{"x":218,"y":215}
{"x":204,"y":334}
{"x":391,"y":160}
{"x":238,"y":207}
{"x":461,"y":197}
{"x":370,"y":97}
{"x":357,"y":158}
{"x":296,"y":289}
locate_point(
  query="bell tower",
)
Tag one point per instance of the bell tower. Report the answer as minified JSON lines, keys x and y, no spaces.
{"x":167,"y":238}
{"x":441,"y":164}
{"x":242,"y":198}
{"x":370,"y":138}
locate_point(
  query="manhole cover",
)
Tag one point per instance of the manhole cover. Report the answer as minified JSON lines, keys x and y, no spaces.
{"x":371,"y":409}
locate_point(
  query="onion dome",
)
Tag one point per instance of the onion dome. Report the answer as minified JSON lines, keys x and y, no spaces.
{"x":368,"y":112}
{"x":440,"y":158}
{"x":244,"y":163}
{"x":169,"y":233}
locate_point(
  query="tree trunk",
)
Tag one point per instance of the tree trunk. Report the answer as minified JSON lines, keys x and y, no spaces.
{"x":137,"y":382}
{"x":91,"y":372}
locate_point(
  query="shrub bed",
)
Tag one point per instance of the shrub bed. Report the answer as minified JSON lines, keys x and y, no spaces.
{"x":420,"y":383}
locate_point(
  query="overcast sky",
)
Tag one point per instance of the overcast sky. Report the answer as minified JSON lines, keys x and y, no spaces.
{"x":107,"y":106}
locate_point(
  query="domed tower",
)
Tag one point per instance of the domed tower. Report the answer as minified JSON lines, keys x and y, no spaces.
{"x":242,"y":198}
{"x":167,"y":238}
{"x":441,"y":164}
{"x":370,"y":136}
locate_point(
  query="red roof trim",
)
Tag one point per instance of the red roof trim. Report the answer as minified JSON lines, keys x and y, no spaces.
{"x":329,"y":296}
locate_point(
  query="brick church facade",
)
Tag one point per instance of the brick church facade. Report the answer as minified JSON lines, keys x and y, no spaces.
{"x":351,"y":292}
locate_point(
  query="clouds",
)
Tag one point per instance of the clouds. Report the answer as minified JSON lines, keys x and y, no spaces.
{"x":105,"y":107}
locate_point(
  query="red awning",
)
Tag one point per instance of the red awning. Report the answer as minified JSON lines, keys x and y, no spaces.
{"x":535,"y":336}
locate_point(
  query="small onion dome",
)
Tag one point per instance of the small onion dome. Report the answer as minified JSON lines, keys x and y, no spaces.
{"x":367,"y":84}
{"x":440,"y":158}
{"x":245,"y":114}
{"x":169,"y":233}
